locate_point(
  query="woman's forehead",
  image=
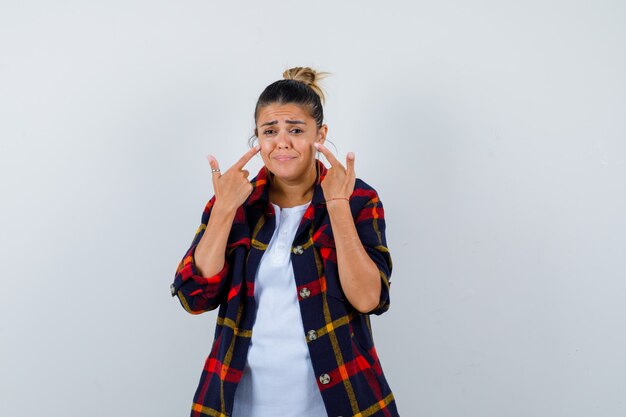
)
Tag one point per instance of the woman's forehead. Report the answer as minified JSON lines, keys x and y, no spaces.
{"x":283,"y":113}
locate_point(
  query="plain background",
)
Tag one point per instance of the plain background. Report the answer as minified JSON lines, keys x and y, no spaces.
{"x":494,"y":132}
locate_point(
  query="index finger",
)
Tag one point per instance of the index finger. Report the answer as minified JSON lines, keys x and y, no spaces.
{"x":334,"y":162}
{"x":246,"y":157}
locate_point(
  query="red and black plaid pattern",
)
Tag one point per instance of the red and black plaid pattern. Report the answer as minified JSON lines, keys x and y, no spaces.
{"x":350,"y":376}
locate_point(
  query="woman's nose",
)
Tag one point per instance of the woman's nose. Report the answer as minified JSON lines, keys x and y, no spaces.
{"x":283,"y":140}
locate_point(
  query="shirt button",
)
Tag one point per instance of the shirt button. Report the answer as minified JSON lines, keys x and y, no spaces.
{"x":173,"y":290}
{"x":298,"y":250}
{"x":305,"y":292}
{"x":324,"y":379}
{"x":312,"y":335}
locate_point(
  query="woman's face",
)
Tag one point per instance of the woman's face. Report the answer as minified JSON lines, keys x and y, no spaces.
{"x":286,"y":134}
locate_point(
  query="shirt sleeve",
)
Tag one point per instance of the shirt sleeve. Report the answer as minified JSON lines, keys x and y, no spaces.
{"x":196,"y":292}
{"x":370,"y":226}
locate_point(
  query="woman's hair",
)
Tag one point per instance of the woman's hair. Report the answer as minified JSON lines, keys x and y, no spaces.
{"x":299,"y":86}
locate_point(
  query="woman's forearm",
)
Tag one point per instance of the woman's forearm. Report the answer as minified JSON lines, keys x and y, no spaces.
{"x":210,"y":254}
{"x":358,"y":274}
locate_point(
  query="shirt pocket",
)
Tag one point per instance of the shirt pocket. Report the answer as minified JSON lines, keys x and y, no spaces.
{"x":327,"y":253}
{"x":324,"y":244}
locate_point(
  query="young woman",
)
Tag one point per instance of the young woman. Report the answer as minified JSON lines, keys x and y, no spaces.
{"x":296,"y":259}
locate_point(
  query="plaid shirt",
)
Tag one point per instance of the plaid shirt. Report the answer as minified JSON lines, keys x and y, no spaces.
{"x":339,"y":338}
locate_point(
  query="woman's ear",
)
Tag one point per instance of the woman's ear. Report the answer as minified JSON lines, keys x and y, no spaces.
{"x":321,"y":134}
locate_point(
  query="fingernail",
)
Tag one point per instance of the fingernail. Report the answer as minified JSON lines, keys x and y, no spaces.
{"x":317,"y":145}
{"x":351,"y":155}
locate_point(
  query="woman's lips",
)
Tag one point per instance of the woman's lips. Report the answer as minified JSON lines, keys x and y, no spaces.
{"x":284,"y":158}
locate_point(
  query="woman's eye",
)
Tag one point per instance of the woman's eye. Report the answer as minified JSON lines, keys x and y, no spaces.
{"x":272,"y":131}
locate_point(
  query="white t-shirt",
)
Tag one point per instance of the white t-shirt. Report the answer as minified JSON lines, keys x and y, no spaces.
{"x":278,"y":379}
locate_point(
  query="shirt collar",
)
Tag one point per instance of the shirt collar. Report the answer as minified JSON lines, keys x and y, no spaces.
{"x":261,"y":189}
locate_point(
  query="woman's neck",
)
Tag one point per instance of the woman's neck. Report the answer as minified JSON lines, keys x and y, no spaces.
{"x":286,"y":194}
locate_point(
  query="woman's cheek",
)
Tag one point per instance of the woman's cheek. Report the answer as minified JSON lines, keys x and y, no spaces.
{"x":264,"y":155}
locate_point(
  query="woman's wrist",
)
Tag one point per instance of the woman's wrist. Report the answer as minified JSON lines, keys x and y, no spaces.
{"x":337,"y":205}
{"x":223,"y":211}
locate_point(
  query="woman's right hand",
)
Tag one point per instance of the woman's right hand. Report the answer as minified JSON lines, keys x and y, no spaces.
{"x":232,"y":187}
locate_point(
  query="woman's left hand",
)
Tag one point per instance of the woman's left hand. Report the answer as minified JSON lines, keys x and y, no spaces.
{"x":339,"y":181}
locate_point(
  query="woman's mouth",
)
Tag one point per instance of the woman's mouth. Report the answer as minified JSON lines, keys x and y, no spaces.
{"x":284,"y":158}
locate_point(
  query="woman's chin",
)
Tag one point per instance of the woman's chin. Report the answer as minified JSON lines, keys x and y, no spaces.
{"x":280,"y":169}
{"x":284,"y":173}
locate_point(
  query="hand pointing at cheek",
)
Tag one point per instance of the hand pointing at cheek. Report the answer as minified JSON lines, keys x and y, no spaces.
{"x":339,"y":181}
{"x":232,"y":187}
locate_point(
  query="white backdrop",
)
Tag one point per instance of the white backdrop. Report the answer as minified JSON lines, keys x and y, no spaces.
{"x":494,"y":132}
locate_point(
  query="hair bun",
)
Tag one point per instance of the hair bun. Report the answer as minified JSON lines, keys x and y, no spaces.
{"x":308,"y":76}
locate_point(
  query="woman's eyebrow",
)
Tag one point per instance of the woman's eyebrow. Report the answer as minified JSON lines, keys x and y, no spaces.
{"x":291,"y":122}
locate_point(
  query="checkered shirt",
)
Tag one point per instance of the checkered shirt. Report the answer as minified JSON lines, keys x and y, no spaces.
{"x":339,"y":338}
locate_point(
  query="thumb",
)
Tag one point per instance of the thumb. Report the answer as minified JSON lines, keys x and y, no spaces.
{"x":214,"y":174}
{"x":213,"y":163}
